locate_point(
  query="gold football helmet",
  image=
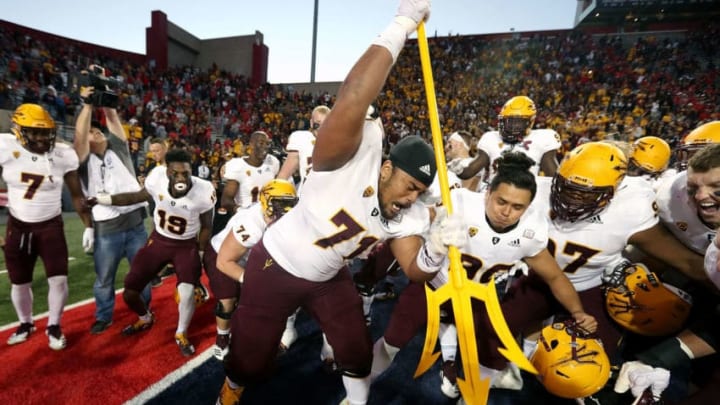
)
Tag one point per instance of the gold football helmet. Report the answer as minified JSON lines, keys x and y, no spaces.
{"x":697,"y":139}
{"x":650,"y":155}
{"x":570,"y":364}
{"x":639,"y":302}
{"x":586,"y":180}
{"x":516,"y":119}
{"x":277,"y":197}
{"x":34,"y":128}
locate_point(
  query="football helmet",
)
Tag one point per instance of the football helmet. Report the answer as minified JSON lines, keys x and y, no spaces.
{"x":650,"y":155}
{"x":639,"y":302}
{"x":698,"y":138}
{"x":200,"y":293}
{"x":570,"y":363}
{"x":34,"y":128}
{"x":277,"y":197}
{"x":516,"y":119}
{"x":586,"y":180}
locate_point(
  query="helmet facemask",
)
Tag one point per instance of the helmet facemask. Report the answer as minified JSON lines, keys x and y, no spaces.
{"x":513,"y":129}
{"x":279,"y":206}
{"x":572,"y":202}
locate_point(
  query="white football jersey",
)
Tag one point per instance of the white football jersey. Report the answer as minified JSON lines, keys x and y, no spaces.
{"x":247,"y":225}
{"x":535,"y":145}
{"x":488,"y":251}
{"x":250,"y":179}
{"x":338,"y":217}
{"x":585,"y":248}
{"x":35,"y":181}
{"x":302,"y":142}
{"x":179,"y":218}
{"x":432,"y":195}
{"x":679,"y":215}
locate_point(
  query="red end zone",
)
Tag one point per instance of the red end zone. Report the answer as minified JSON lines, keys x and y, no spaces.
{"x":109,"y":368}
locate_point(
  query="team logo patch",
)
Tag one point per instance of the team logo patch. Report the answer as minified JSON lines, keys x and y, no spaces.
{"x":472,"y":231}
{"x":683,"y":226}
{"x":161,"y":197}
{"x":375,"y":212}
{"x":495,"y":240}
{"x":528,"y":233}
{"x":248,"y":173}
{"x":368,"y":191}
{"x":514,"y":243}
{"x":313,"y":142}
{"x":16,"y":154}
{"x":425,"y":169}
{"x":268,"y":263}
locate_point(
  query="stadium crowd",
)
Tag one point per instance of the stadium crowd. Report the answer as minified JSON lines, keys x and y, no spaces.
{"x":586,"y":89}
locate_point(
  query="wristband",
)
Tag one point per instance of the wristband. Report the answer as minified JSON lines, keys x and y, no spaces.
{"x":427,"y":261}
{"x":104,"y":199}
{"x":394,"y":36}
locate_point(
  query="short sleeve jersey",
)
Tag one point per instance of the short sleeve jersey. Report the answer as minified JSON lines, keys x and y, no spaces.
{"x":35,"y":181}
{"x":338,"y":216}
{"x":179,"y":218}
{"x":583,"y":249}
{"x":488,"y":251}
{"x":250,"y":179}
{"x":535,"y":145}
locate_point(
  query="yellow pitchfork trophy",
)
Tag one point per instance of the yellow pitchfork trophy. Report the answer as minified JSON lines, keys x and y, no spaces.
{"x":459,"y":289}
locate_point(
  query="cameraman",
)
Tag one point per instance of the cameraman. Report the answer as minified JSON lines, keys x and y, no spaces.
{"x":117,"y":232}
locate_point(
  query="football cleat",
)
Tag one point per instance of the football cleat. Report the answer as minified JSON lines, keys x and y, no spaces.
{"x":56,"y":339}
{"x":386,"y":293}
{"x":229,"y":396}
{"x":21,"y":333}
{"x":186,"y":348}
{"x":448,"y":376}
{"x":222,"y":346}
{"x":139,"y":326}
{"x":509,"y":378}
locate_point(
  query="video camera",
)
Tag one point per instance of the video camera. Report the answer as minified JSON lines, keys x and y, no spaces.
{"x":105,"y":87}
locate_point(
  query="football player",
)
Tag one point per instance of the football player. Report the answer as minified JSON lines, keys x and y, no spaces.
{"x":183,"y":222}
{"x":515,"y":133}
{"x":35,"y":167}
{"x":351,"y":200}
{"x":503,"y":231}
{"x":457,"y":148}
{"x":697,"y":139}
{"x":245,"y":176}
{"x":225,"y":258}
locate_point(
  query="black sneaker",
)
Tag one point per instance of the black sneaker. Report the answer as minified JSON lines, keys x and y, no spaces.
{"x":21,"y":333}
{"x":99,"y":327}
{"x":222,"y":346}
{"x":138,"y":326}
{"x":169,"y":270}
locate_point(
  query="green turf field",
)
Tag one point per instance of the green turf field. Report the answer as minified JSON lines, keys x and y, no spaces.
{"x":80,"y":279}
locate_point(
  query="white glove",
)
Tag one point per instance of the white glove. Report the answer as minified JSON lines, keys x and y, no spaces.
{"x":88,"y":240}
{"x":458,"y":165}
{"x":637,"y":377}
{"x":416,"y":10}
{"x":445,"y":231}
{"x":104,"y":199}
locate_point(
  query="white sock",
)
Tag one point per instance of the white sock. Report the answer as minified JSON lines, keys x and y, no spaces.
{"x":448,"y":341}
{"x":326,"y":352}
{"x":357,"y":389}
{"x":186,"y":307}
{"x":223,"y":331}
{"x":383,"y":355}
{"x":488,"y":373}
{"x":367,"y":301}
{"x":57,"y":297}
{"x":22,"y":299}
